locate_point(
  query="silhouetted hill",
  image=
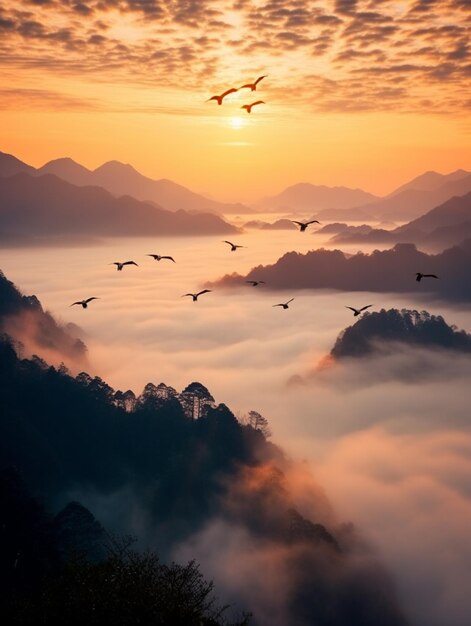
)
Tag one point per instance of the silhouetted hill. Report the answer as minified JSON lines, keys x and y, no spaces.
{"x":282,"y":224}
{"x":377,"y":331}
{"x":382,"y":271}
{"x":306,"y":197}
{"x":46,"y":206}
{"x":173,"y":465}
{"x":412,"y":203}
{"x":10,"y":165}
{"x":430,"y":181}
{"x":122,"y":179}
{"x":352,"y":215}
{"x":445,"y":225}
{"x":35,"y":330}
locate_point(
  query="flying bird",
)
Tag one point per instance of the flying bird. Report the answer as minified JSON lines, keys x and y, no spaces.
{"x":253,"y":86}
{"x":358,"y":311}
{"x":84,"y":303}
{"x":419,"y":276}
{"x":248,"y":107}
{"x":254,"y":283}
{"x":220,"y":98}
{"x":233,"y":245}
{"x":195,"y":295}
{"x":284,"y":304}
{"x":304,"y":225}
{"x":119,"y":265}
{"x":158,"y":257}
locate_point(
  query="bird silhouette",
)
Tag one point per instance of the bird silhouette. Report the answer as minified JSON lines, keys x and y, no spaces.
{"x":220,"y":98}
{"x":158,"y":257}
{"x":253,"y":86}
{"x":304,"y":225}
{"x":419,"y":276}
{"x":84,"y":303}
{"x":233,"y":245}
{"x":119,"y":265}
{"x":248,"y":107}
{"x":195,"y":295}
{"x":254,"y":283}
{"x":358,"y":311}
{"x":284,"y":304}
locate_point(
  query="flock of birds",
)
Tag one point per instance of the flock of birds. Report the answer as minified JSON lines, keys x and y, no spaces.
{"x":254,"y":283}
{"x":251,"y":86}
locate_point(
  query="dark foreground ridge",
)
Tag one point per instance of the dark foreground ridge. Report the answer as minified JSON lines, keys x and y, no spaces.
{"x":169,"y":467}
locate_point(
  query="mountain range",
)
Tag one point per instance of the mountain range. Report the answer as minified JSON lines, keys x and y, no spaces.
{"x":47,"y":206}
{"x":122,"y":179}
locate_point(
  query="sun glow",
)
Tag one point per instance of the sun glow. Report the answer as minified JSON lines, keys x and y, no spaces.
{"x":236,"y":122}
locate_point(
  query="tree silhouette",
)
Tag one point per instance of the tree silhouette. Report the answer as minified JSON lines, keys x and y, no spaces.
{"x":258,"y":422}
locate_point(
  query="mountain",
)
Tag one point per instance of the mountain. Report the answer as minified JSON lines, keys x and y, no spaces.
{"x":430,"y":181}
{"x":381,"y":271}
{"x":381,"y":331}
{"x":123,"y":180}
{"x":35,"y":330}
{"x":306,"y":197}
{"x":10,"y":165}
{"x":42,"y":206}
{"x":453,"y":212}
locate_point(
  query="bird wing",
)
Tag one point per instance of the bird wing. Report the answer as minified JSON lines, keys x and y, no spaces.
{"x":430,"y":276}
{"x":90,"y":299}
{"x":289,"y":301}
{"x":170,"y":258}
{"x":252,"y":282}
{"x":229,"y":242}
{"x":365,"y":307}
{"x":258,"y":102}
{"x":247,"y":86}
{"x":213,"y":98}
{"x":200,"y":293}
{"x":79,"y":302}
{"x":277,"y":305}
{"x":260,"y":78}
{"x":188,"y":294}
{"x":298,"y":223}
{"x":129,"y":263}
{"x":154,"y":256}
{"x":246,"y":106}
{"x":312,"y":222}
{"x":351,"y":308}
{"x":226,"y":93}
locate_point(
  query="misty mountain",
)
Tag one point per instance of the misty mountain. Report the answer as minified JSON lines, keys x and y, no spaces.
{"x":35,"y":330}
{"x":445,"y":225}
{"x":352,"y":215}
{"x":44,"y":206}
{"x":173,"y":466}
{"x":410,"y":204}
{"x":381,"y":271}
{"x":380,"y":331}
{"x":306,"y":197}
{"x":10,"y":165}
{"x":430,"y":181}
{"x":122,"y":179}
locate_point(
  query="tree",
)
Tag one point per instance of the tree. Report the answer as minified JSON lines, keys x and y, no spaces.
{"x":258,"y":422}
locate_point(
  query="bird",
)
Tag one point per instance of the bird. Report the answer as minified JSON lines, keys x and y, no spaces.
{"x":358,"y":311}
{"x":195,"y":295}
{"x":254,"y":283}
{"x":284,"y":304}
{"x":419,"y":276}
{"x":248,"y":107}
{"x":253,"y":86}
{"x":233,"y":245}
{"x":158,"y":257}
{"x":220,"y":98}
{"x":119,"y":265}
{"x":84,"y":303}
{"x":304,"y":225}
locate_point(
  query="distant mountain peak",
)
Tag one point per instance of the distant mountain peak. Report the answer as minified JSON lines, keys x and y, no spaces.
{"x":114,"y":165}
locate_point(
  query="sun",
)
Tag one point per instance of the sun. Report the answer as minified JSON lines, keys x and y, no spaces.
{"x":236,"y":123}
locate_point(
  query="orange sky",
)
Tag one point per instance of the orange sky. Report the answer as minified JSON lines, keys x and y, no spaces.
{"x":359,"y":93}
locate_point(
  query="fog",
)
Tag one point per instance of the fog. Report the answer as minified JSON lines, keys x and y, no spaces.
{"x":388,"y":438}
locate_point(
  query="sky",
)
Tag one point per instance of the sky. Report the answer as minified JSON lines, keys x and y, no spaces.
{"x":360,"y":93}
